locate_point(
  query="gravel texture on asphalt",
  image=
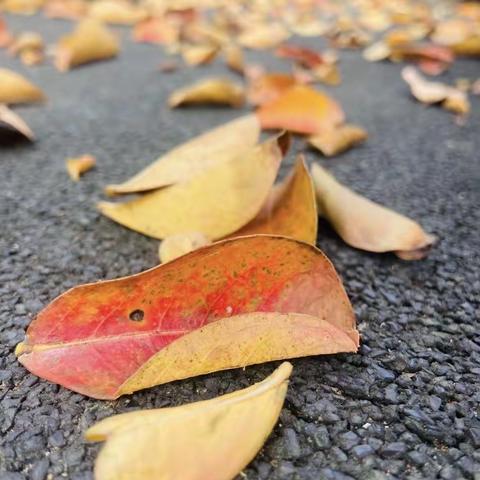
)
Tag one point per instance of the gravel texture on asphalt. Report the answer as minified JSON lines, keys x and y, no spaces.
{"x":405,"y":407}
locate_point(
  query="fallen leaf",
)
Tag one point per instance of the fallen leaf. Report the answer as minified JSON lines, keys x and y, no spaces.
{"x":91,"y":41}
{"x":234,"y":58}
{"x":216,"y":91}
{"x":216,"y":202}
{"x":191,"y":442}
{"x":177,"y":245}
{"x":267,"y":87}
{"x":304,"y":56}
{"x":76,"y":167}
{"x":156,"y":30}
{"x":65,"y":9}
{"x":263,"y":36}
{"x":336,"y":140}
{"x":434,"y":92}
{"x":429,"y":56}
{"x":117,"y":12}
{"x":377,"y":52}
{"x":301,"y":109}
{"x":290,"y":209}
{"x":21,"y":7}
{"x":29,"y":47}
{"x":14,"y":88}
{"x":230,"y":304}
{"x":367,"y":225}
{"x":194,"y":55}
{"x":5,"y":36}
{"x":15,"y":122}
{"x":195,"y":156}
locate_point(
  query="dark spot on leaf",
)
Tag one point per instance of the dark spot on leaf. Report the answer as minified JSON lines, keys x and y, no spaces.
{"x":136,"y":315}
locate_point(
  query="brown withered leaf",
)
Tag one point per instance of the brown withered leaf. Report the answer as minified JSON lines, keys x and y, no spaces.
{"x":367,"y":225}
{"x":338,"y":139}
{"x":216,"y":202}
{"x":290,"y":209}
{"x":117,"y":12}
{"x":180,"y":244}
{"x":210,"y":91}
{"x":191,"y":441}
{"x":185,"y":161}
{"x":14,"y":88}
{"x":15,"y":122}
{"x":91,"y":41}
{"x":77,"y":166}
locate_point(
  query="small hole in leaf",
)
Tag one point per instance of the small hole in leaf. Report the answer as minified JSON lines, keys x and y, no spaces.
{"x":136,"y":315}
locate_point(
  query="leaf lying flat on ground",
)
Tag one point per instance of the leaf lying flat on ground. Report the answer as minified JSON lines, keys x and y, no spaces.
{"x":191,"y":158}
{"x":213,"y":91}
{"x":95,"y":338}
{"x":76,"y":167}
{"x":117,"y":12}
{"x":91,"y":41}
{"x":301,"y":109}
{"x":15,"y":122}
{"x":263,"y":35}
{"x":336,"y":140}
{"x":216,"y":202}
{"x":268,"y":87}
{"x":181,"y":244}
{"x":434,"y":92}
{"x":191,"y":442}
{"x":367,"y":225}
{"x":290,"y":209}
{"x":17,"y":89}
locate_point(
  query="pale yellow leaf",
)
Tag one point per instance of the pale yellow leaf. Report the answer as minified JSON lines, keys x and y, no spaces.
{"x":14,"y":88}
{"x":177,"y":245}
{"x":338,"y":139}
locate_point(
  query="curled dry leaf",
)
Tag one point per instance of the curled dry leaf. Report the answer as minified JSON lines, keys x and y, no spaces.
{"x":234,"y":58}
{"x":191,"y":442}
{"x":14,"y":88}
{"x":216,"y":202}
{"x":156,"y":30}
{"x":195,"y":156}
{"x":117,"y":12}
{"x":5,"y":36}
{"x":216,"y":91}
{"x":230,"y":304}
{"x":428,"y":92}
{"x":194,"y":55}
{"x":29,"y":47}
{"x":65,"y":9}
{"x":21,"y":7}
{"x":301,"y":109}
{"x":177,"y":245}
{"x":91,"y":41}
{"x":15,"y":122}
{"x":261,"y":36}
{"x":367,"y":225}
{"x":76,"y":167}
{"x":290,"y":209}
{"x":336,"y":140}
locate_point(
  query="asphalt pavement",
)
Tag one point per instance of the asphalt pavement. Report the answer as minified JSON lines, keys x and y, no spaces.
{"x":405,"y":407}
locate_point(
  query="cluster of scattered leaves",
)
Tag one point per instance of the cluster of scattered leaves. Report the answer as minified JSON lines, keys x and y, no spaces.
{"x":241,"y":281}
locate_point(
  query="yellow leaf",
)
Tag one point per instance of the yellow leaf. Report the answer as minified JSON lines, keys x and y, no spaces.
{"x":21,"y":7}
{"x":263,"y":35}
{"x":12,"y":120}
{"x":17,"y":89}
{"x":117,"y":12}
{"x":91,"y":41}
{"x":189,"y":159}
{"x":199,"y":54}
{"x":78,"y":166}
{"x":212,"y":439}
{"x":367,"y":225}
{"x":238,"y":341}
{"x":336,"y":140}
{"x":216,"y":202}
{"x":290,"y":209}
{"x":177,"y":245}
{"x":29,"y":47}
{"x":220,"y":91}
{"x":234,"y":58}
